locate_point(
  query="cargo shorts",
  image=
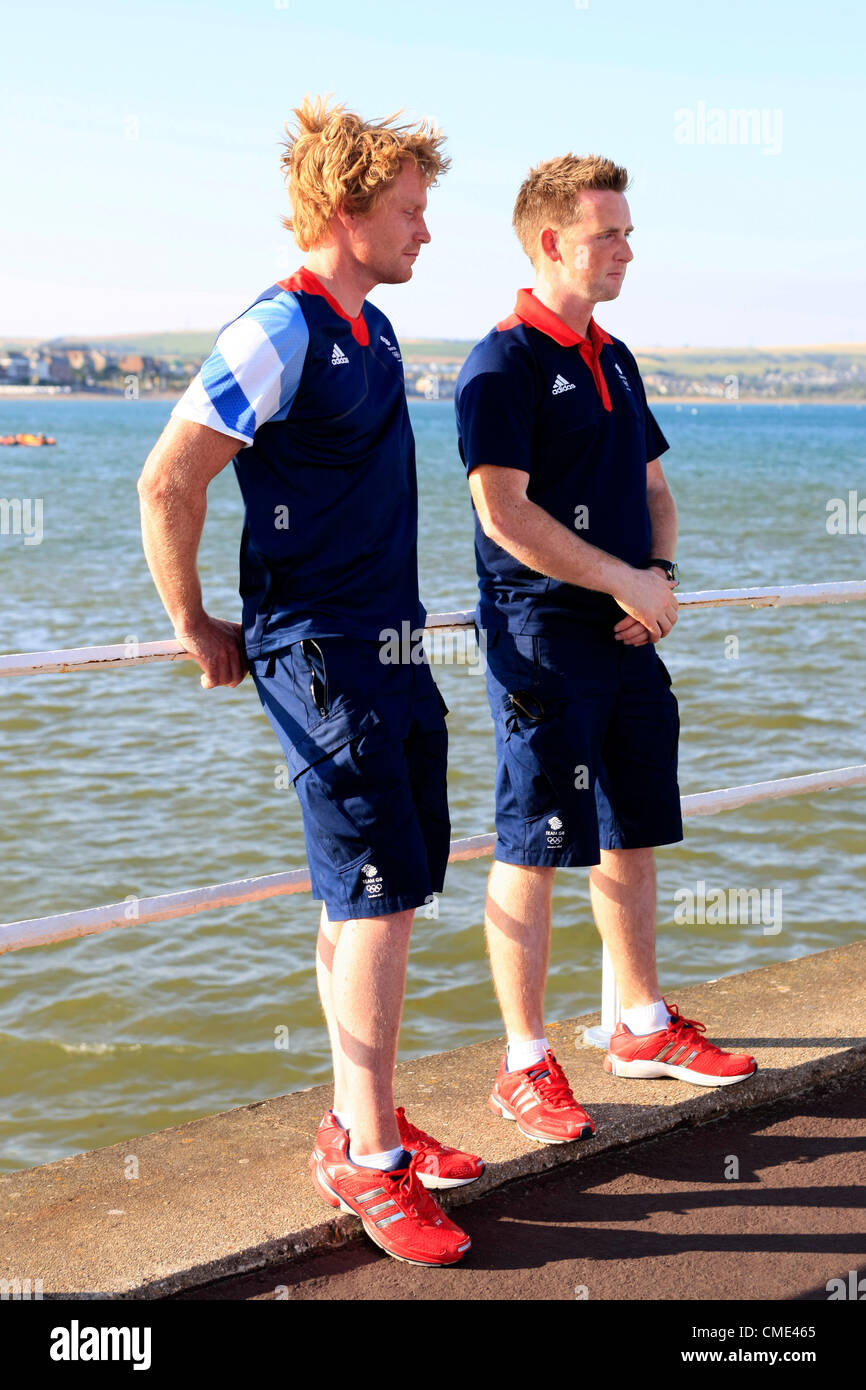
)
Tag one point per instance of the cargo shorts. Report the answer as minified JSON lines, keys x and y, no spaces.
{"x":587,"y":735}
{"x":366,"y":746}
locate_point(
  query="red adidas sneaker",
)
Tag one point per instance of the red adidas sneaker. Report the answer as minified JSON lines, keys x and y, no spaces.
{"x":396,"y":1211}
{"x":678,"y":1051}
{"x":438,"y":1165}
{"x":540,"y":1099}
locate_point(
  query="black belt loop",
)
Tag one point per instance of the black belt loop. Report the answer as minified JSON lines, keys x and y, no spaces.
{"x":272,"y":664}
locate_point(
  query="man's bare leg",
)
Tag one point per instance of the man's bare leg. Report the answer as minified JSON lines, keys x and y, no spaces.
{"x":361,"y":971}
{"x":622,"y":890}
{"x":517,"y":922}
{"x":329,"y":935}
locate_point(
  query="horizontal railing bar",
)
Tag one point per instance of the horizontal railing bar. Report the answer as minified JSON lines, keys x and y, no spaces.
{"x":727,"y":798}
{"x":134,"y":653}
{"x":784,"y":596}
{"x":41,"y":931}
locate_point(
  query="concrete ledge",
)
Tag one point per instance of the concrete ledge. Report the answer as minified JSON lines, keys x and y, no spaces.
{"x":231,"y":1193}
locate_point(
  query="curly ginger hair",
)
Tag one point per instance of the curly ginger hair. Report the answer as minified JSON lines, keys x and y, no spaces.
{"x":335,"y":160}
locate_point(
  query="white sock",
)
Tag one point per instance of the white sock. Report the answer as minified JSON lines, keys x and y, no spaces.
{"x":389,"y":1158}
{"x":646,"y":1018}
{"x":342,"y":1118}
{"x":522,"y":1053}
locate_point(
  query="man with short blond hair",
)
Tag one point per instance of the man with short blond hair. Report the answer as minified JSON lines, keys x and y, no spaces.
{"x":304,"y":391}
{"x":575,"y":538}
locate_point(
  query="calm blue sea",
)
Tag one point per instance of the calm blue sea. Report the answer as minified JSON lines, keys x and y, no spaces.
{"x":136,"y":782}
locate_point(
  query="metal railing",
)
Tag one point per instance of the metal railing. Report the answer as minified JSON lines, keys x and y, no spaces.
{"x":39,"y":931}
{"x":133,"y":653}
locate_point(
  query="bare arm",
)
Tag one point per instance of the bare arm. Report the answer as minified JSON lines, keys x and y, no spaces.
{"x":663,"y":518}
{"x":663,"y":512}
{"x":538,"y":540}
{"x":173,"y":494}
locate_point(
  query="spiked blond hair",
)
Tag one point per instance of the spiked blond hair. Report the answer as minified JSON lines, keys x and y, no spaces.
{"x":335,"y":160}
{"x":550,"y":194}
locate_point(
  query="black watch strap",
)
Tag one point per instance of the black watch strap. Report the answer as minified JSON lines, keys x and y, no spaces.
{"x":669,"y":566}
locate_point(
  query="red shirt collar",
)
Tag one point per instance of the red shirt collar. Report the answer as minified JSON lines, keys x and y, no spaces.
{"x":530,"y":310}
{"x":309,"y":283}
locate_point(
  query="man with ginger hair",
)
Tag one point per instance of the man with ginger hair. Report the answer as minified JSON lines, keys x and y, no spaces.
{"x":575,"y":537}
{"x":304,"y":391}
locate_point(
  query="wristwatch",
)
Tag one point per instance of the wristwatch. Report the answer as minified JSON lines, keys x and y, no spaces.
{"x":670,"y":567}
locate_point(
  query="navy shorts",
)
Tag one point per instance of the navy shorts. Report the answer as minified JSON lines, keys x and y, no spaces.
{"x":587,"y":733}
{"x":366,"y":747}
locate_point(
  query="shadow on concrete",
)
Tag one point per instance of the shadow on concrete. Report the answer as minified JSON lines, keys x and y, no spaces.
{"x":618,"y":1219}
{"x":745,"y":1044}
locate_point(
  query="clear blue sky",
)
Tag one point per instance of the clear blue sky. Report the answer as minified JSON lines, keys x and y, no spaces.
{"x":142,"y":189}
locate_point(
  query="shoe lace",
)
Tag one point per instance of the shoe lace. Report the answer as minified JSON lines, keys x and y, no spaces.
{"x":412,"y":1196}
{"x":549,"y":1082}
{"x":412,"y":1133}
{"x":688,"y":1029}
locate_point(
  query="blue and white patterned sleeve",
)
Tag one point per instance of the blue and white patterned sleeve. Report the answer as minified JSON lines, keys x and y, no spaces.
{"x":253,"y":371}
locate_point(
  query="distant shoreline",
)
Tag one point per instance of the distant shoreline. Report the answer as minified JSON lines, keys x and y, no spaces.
{"x":172,"y":398}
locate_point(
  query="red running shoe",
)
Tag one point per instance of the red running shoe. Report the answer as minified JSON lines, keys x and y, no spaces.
{"x":541,"y":1101}
{"x":438,"y":1165}
{"x":678,"y":1051}
{"x":396,"y":1211}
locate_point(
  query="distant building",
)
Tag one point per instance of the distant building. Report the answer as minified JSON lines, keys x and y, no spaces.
{"x":61,"y":372}
{"x":15,"y":367}
{"x":40,"y":367}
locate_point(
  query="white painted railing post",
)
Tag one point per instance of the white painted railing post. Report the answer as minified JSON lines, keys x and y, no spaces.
{"x":599,"y":1036}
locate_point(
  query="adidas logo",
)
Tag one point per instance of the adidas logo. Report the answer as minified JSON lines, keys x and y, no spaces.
{"x":561,"y":385}
{"x":338,"y":357}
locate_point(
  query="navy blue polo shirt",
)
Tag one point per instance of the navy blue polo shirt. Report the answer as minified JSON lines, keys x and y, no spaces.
{"x":326,"y":465}
{"x":572,"y":413}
